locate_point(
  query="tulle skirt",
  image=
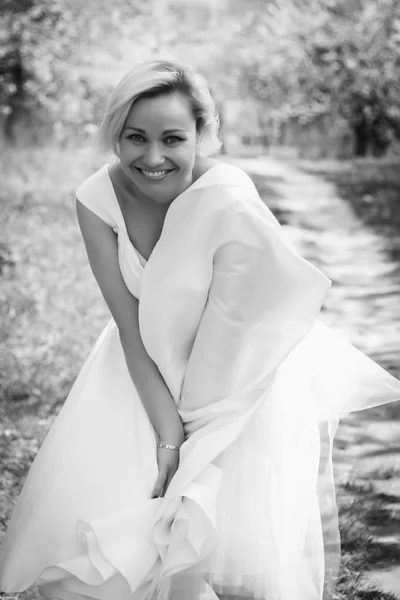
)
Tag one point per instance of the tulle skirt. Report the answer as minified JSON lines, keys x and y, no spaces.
{"x":264,"y":508}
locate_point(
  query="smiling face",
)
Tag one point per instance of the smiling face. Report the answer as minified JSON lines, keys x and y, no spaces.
{"x":157,"y":147}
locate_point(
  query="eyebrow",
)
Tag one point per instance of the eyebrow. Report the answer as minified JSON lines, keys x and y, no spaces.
{"x":165,"y":131}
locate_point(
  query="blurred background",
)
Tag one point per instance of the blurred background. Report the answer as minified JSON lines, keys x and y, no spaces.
{"x":309,"y":97}
{"x":320,"y":76}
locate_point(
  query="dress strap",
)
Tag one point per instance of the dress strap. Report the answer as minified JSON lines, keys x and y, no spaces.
{"x":97,"y":195}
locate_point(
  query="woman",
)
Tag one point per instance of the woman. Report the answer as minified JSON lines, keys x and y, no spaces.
{"x":192,"y":458}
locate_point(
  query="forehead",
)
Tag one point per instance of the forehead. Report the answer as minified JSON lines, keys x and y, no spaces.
{"x":171,"y":111}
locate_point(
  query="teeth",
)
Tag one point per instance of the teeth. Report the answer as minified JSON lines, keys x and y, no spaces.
{"x":154,"y":174}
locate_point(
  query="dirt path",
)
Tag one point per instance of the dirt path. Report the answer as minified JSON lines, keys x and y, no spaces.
{"x":364,"y":306}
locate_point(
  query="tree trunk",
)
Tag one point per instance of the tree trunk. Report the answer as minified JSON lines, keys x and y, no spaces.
{"x":381,"y":136}
{"x":361,"y":137}
{"x":16,"y":100}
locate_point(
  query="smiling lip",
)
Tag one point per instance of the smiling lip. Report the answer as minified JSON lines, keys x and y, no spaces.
{"x":154,"y":175}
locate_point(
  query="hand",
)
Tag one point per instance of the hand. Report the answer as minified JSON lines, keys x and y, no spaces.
{"x":168,"y":463}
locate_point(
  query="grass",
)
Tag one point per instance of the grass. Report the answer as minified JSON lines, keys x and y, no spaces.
{"x":48,"y":298}
{"x":361,"y":507}
{"x":371,"y":186}
{"x":47,"y":293}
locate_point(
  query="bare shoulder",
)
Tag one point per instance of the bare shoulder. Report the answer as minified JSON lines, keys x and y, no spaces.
{"x":114,"y":172}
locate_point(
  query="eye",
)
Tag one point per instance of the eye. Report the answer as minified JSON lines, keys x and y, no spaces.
{"x":173,"y":139}
{"x":136,"y":137}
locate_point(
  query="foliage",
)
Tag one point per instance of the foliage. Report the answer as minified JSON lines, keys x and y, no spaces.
{"x":44,"y":47}
{"x":307,"y":61}
{"x":320,"y":57}
{"x":59,"y":58}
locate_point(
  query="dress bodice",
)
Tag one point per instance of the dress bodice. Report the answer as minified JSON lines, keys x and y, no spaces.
{"x":97,"y":193}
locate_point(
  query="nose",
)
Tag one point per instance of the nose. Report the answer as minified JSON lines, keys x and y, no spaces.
{"x":153,"y":156}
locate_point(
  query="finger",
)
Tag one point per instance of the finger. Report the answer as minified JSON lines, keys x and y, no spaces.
{"x":158,"y":487}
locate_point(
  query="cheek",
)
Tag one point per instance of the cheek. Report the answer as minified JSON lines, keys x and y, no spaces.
{"x":122,"y":154}
{"x":126,"y":149}
{"x":185,"y":156}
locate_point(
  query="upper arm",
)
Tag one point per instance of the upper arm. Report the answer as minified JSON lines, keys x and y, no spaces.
{"x":102,"y":250}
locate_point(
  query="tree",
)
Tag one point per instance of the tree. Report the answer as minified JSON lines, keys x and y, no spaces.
{"x":308,"y":58}
{"x":44,"y":47}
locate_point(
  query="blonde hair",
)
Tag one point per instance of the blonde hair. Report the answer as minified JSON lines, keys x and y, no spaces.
{"x":156,"y":78}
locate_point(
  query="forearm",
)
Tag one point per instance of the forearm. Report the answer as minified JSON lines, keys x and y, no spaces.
{"x":152,"y":389}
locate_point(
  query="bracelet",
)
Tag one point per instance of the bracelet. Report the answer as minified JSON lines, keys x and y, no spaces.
{"x":168,"y":446}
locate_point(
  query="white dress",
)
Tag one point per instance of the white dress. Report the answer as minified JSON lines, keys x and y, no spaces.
{"x":228,"y":311}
